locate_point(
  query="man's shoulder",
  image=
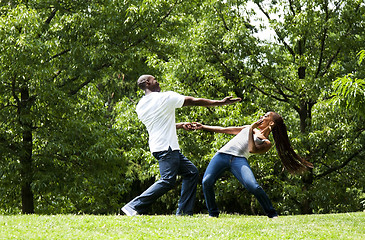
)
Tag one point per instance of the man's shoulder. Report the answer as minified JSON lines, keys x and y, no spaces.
{"x":167,"y":94}
{"x":153,"y":97}
{"x":159,"y":94}
{"x":160,"y":98}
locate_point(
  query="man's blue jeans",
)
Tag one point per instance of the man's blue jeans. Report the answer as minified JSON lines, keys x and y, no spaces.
{"x":240,"y":168}
{"x":171,"y":164}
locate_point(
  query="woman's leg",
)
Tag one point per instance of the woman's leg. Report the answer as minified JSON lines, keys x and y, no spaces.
{"x":218,"y":164}
{"x":242,"y":171}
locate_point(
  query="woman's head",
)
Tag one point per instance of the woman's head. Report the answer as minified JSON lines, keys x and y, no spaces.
{"x":291,"y":161}
{"x":269,"y":120}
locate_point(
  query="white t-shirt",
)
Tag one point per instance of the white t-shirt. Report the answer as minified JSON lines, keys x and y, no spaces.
{"x":238,"y":146}
{"x":157,"y":112}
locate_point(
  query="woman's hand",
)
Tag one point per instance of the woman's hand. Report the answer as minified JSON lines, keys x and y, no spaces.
{"x":256,"y":124}
{"x":197,"y":126}
{"x":188,"y":126}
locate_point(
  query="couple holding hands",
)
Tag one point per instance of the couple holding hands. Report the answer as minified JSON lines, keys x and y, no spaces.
{"x":156,"y":110}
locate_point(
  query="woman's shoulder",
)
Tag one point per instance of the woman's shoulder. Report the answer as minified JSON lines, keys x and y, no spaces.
{"x":259,"y":135}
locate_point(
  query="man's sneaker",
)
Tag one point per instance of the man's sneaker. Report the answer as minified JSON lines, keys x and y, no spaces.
{"x":129,"y":211}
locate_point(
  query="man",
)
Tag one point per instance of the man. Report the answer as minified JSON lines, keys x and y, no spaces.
{"x":157,"y":111}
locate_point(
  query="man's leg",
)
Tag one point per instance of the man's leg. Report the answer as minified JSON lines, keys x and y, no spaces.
{"x":190,"y":175}
{"x":169,"y":165}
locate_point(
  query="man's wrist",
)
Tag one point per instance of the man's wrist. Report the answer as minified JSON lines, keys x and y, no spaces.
{"x":221,"y":102}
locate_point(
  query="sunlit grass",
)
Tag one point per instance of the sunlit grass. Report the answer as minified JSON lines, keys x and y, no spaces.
{"x":330,"y":226}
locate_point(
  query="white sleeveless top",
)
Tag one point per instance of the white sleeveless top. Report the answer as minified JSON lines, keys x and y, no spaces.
{"x":238,"y":146}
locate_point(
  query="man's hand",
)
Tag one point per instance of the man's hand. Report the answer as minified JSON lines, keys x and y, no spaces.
{"x":192,"y":101}
{"x":184,"y":125}
{"x":230,"y":100}
{"x":188,"y":126}
{"x":197,"y":126}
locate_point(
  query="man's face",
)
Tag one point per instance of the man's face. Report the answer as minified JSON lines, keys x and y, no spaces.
{"x":153,"y":85}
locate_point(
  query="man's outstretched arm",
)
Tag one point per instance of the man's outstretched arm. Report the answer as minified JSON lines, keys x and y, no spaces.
{"x":192,"y":101}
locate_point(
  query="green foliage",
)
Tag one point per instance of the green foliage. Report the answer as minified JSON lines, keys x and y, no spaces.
{"x":351,"y":92}
{"x":68,"y":128}
{"x":64,"y":65}
{"x":217,"y":54}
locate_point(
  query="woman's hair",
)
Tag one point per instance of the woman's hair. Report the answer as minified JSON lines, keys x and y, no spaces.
{"x":291,"y":161}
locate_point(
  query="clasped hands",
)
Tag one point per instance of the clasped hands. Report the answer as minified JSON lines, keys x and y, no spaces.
{"x":190,"y":126}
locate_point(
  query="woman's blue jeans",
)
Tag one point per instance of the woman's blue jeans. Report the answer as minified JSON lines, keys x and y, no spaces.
{"x":171,"y":164}
{"x":240,"y":168}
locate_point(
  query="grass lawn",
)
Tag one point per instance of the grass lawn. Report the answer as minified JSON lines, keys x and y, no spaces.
{"x":326,"y":226}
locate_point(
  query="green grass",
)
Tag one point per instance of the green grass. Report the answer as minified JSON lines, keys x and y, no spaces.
{"x":326,"y":226}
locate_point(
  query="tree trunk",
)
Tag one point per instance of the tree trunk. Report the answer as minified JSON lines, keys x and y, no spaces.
{"x":26,"y":171}
{"x":307,"y":200}
{"x":305,"y":114}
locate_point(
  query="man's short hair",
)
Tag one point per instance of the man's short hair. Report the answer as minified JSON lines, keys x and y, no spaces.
{"x":142,"y":81}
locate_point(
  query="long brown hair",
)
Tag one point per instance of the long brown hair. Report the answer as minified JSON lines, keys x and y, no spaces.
{"x":291,"y":160}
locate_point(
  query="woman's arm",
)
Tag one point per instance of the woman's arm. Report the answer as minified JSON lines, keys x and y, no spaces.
{"x":217,"y":129}
{"x":252,"y":146}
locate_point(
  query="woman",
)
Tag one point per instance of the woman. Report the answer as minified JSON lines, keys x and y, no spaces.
{"x":233,"y":157}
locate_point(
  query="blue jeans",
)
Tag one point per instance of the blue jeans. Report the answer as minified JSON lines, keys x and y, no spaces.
{"x":171,"y":164}
{"x":242,"y":171}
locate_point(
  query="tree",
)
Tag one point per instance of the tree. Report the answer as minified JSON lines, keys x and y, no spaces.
{"x":319,"y":44}
{"x":314,"y":44}
{"x":61,"y":63}
{"x":70,"y":140}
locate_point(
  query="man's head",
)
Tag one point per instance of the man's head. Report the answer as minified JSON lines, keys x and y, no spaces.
{"x":148,"y":83}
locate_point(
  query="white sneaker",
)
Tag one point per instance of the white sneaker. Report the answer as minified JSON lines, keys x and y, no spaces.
{"x":129,"y":211}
